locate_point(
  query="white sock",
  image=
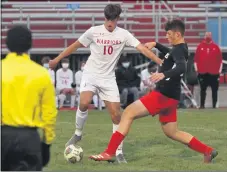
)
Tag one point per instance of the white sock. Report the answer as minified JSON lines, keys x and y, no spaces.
{"x":81,"y":118}
{"x":120,"y":147}
{"x":73,"y":99}
{"x":62,"y":98}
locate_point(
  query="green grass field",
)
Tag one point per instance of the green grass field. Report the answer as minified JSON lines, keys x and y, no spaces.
{"x":146,"y":147}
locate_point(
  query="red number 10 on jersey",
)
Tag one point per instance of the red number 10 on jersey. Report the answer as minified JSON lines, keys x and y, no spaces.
{"x":108,"y":50}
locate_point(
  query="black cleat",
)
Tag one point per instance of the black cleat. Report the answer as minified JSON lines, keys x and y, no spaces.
{"x":209,"y":157}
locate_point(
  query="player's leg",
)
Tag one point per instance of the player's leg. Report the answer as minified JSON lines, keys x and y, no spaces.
{"x":62,"y":97}
{"x":214,"y":83}
{"x":73,"y":97}
{"x":203,"y":87}
{"x":135,"y":92}
{"x":138,"y":109}
{"x":124,"y":97}
{"x":87,"y":90}
{"x":133,"y":111}
{"x":168,"y":120}
{"x":81,"y":116}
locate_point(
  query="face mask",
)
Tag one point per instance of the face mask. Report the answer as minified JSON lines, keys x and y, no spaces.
{"x":208,"y":39}
{"x":65,"y":65}
{"x":82,"y":68}
{"x":126,"y":64}
{"x":46,"y":65}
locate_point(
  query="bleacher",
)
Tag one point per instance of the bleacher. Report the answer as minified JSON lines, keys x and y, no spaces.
{"x":57,"y":24}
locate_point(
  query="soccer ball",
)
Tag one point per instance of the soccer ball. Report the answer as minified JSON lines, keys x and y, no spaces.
{"x":73,"y":153}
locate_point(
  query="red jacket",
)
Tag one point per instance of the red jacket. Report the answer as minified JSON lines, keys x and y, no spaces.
{"x":208,"y":58}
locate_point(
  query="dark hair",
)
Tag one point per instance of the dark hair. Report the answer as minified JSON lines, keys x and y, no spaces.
{"x":112,"y":11}
{"x":19,"y":39}
{"x":175,"y":25}
{"x":45,"y":59}
{"x":65,"y":60}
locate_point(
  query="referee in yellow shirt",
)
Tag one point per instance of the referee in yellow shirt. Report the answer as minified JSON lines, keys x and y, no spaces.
{"x":28,"y":103}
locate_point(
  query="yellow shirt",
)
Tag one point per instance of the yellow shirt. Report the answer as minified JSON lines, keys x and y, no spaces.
{"x":28,"y":96}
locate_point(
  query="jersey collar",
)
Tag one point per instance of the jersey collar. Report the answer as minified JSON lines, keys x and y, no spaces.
{"x":15,"y":55}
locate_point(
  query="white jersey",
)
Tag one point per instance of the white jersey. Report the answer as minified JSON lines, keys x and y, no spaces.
{"x":64,"y":79}
{"x":52,"y":75}
{"x":106,"y":48}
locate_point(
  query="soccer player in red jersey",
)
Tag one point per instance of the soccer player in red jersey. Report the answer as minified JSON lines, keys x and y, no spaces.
{"x":163,"y":100}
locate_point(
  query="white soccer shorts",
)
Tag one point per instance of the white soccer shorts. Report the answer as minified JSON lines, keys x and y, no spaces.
{"x":107,"y":89}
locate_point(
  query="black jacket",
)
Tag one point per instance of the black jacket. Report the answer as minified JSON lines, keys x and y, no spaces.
{"x":127,"y":78}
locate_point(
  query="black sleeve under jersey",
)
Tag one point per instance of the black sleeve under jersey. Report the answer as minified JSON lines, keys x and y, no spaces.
{"x":180,"y":63}
{"x":163,"y":49}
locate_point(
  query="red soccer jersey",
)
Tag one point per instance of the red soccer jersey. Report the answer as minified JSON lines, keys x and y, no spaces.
{"x":208,"y":58}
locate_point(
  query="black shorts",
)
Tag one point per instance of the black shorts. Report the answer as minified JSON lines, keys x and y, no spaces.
{"x":20,"y":149}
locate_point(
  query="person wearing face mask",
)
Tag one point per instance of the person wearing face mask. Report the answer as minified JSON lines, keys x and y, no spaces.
{"x":208,"y":65}
{"x":146,"y":84}
{"x":128,"y":82}
{"x":45,"y":62}
{"x":64,"y":79}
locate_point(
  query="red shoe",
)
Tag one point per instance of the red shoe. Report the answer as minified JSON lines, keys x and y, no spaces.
{"x":102,"y":157}
{"x":210,"y":156}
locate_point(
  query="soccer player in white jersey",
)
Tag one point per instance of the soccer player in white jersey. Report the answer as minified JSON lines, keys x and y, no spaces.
{"x":106,"y":44}
{"x":64,"y":78}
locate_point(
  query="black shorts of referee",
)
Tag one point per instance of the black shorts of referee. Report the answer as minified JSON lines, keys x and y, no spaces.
{"x":20,"y":149}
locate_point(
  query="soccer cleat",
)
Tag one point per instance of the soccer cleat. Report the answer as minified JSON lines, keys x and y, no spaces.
{"x":73,"y":140}
{"x":121,"y":159}
{"x":209,"y":157}
{"x":102,"y":157}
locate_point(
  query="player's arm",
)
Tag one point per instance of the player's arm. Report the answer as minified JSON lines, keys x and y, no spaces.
{"x":180,"y":64}
{"x":69,"y":50}
{"x":219,"y":58}
{"x":84,"y":40}
{"x":133,"y":42}
{"x":163,"y":49}
{"x":49,"y":112}
{"x":145,"y":51}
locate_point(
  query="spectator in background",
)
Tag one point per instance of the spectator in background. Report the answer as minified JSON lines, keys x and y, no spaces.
{"x":64,"y":79}
{"x":128,"y":81}
{"x":208,"y":65}
{"x":45,"y":62}
{"x":146,"y":84}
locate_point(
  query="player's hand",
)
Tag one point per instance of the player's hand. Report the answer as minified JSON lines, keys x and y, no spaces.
{"x":53,"y":63}
{"x":150,"y":45}
{"x":156,"y":77}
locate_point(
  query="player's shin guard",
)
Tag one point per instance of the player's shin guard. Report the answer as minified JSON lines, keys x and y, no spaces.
{"x":120,"y":147}
{"x":198,"y":146}
{"x":81,"y":118}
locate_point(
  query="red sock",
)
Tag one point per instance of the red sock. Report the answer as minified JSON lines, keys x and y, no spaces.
{"x":198,"y":146}
{"x":115,"y":141}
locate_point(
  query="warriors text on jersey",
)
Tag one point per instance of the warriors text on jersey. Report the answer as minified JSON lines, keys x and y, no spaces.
{"x":106,"y":48}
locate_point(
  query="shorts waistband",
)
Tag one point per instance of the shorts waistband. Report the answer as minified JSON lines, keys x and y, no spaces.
{"x":18,"y":127}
